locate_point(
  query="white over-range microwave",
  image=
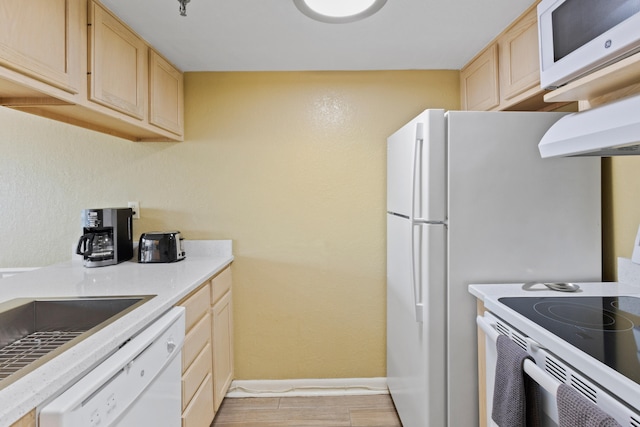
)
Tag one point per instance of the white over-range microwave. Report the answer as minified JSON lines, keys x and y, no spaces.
{"x":578,"y":37}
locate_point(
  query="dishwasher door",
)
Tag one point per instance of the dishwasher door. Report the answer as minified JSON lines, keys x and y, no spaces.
{"x":137,"y":385}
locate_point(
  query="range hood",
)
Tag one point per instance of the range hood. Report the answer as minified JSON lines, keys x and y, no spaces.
{"x":609,"y":130}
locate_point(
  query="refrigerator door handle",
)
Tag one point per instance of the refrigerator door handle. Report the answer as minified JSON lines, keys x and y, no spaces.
{"x":416,"y":168}
{"x":416,"y":277}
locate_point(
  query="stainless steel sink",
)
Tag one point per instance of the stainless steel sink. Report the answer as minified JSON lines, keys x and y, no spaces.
{"x":33,"y":331}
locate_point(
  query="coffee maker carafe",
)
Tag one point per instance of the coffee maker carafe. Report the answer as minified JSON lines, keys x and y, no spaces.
{"x":107,"y":237}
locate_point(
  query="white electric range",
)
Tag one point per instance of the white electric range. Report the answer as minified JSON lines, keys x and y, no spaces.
{"x":589,"y":339}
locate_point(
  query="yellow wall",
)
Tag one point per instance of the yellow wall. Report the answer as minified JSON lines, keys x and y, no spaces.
{"x":621,"y":214}
{"x":291,"y":166}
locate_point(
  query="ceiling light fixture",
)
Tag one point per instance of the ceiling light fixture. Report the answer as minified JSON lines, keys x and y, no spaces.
{"x":339,"y":11}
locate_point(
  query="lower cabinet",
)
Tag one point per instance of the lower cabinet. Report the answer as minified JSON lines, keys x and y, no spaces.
{"x":222,"y":338}
{"x":28,"y":420}
{"x":207,"y":355}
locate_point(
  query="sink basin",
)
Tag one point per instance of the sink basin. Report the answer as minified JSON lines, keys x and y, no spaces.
{"x":33,"y":331}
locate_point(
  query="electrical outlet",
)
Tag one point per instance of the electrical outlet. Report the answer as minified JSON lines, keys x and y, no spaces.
{"x":135,"y":206}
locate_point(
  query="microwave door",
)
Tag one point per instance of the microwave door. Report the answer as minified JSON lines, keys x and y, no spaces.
{"x":577,"y":37}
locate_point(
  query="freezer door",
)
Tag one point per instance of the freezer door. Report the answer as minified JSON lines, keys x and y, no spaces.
{"x":416,"y":350}
{"x":416,"y":168}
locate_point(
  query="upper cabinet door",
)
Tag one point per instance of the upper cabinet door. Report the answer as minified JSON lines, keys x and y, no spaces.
{"x":118,"y":64}
{"x":519,"y":64}
{"x":41,"y":39}
{"x":479,"y":84}
{"x":166,"y":98}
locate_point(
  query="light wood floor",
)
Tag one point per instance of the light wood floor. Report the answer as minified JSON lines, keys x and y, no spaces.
{"x":325,"y":411}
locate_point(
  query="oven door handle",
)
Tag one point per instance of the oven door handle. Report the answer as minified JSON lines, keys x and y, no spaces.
{"x":489,"y":328}
{"x":529,"y":366}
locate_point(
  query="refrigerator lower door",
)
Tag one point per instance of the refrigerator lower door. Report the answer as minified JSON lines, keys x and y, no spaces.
{"x":416,"y":350}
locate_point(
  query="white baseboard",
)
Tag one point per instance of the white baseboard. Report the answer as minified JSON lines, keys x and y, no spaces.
{"x":308,"y":387}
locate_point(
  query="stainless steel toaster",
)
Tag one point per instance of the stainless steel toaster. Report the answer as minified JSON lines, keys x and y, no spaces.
{"x":160,"y":246}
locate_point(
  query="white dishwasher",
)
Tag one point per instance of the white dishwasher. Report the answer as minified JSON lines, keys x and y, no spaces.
{"x":137,"y":385}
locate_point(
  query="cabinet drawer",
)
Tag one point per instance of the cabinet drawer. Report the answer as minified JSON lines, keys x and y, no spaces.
{"x":220,"y":285}
{"x":199,"y":412}
{"x":196,"y":306}
{"x":195,"y":341}
{"x":195,"y":374}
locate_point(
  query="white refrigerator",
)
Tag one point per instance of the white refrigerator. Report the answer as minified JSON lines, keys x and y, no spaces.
{"x":469,"y":200}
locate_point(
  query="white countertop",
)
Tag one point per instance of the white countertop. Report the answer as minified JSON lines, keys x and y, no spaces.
{"x":169,"y":282}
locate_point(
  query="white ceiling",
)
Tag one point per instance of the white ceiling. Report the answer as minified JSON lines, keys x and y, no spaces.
{"x":272,"y":35}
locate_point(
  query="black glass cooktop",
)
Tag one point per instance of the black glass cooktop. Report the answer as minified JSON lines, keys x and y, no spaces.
{"x":607,"y":328}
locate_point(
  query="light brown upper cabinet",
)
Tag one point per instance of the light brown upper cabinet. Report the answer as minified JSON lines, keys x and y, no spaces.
{"x":43,"y":45}
{"x":74,"y":61}
{"x":479,"y":84}
{"x":519,"y":63}
{"x":166,"y":98}
{"x":505,"y":75}
{"x":118,"y":64}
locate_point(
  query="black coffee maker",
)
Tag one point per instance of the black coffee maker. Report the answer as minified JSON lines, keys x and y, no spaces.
{"x":107,"y":237}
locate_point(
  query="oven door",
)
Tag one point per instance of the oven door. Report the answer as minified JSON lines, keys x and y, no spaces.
{"x":490,"y":326}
